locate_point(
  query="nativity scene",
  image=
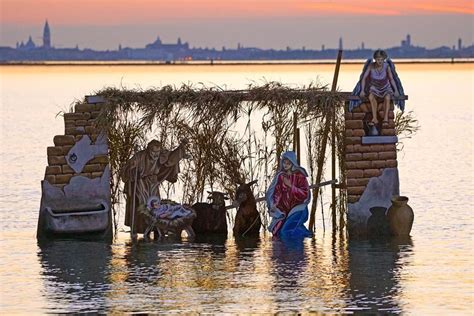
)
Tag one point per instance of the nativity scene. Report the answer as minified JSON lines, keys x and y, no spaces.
{"x":195,"y":148}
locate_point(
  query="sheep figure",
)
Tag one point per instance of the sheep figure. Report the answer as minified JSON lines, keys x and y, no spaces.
{"x":247,"y":219}
{"x":211,"y":217}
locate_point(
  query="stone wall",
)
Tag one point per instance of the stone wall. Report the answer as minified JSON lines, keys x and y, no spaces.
{"x":75,"y":197}
{"x":78,"y":124}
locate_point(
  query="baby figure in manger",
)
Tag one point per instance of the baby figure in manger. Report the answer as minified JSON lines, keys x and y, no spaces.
{"x":167,"y":217}
{"x":167,"y":211}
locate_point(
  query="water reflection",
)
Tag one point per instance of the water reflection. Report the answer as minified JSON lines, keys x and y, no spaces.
{"x":142,"y":263}
{"x":75,"y":275}
{"x":219,"y":274}
{"x":289,"y":263}
{"x":216,"y":243}
{"x":327,"y":278}
{"x":247,"y":245}
{"x":375,"y":274}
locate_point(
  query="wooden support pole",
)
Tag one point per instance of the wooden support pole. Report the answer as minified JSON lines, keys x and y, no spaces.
{"x":296,"y":137}
{"x":319,"y":172}
{"x":333,"y":141}
{"x":328,"y":120}
{"x":336,"y":71}
{"x":298,"y":149}
{"x":295,"y":124}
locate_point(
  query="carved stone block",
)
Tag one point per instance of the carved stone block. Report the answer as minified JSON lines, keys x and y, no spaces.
{"x":370,"y":156}
{"x":53,"y":170}
{"x":388,"y":155}
{"x":355,"y":190}
{"x":355,"y":173}
{"x":370,"y":173}
{"x":63,"y":178}
{"x":63,"y":140}
{"x":56,"y":160}
{"x":353,"y":157}
{"x":54,"y":151}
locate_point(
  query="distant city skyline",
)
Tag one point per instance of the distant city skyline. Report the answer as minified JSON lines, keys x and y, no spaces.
{"x":37,"y":37}
{"x":183,"y":51}
{"x":106,"y":24}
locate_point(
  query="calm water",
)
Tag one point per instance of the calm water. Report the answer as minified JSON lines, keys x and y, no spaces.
{"x":432,"y":273}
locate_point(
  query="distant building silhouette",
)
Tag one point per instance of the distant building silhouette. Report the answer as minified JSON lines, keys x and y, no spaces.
{"x":29,"y":45}
{"x":46,"y":36}
{"x":158,"y":44}
{"x":340,"y":43}
{"x":459,"y":44}
{"x":407,"y":42}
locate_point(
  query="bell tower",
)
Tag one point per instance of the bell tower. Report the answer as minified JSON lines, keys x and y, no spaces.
{"x":46,"y":36}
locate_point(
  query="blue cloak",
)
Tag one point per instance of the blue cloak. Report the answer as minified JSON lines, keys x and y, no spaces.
{"x":293,"y":224}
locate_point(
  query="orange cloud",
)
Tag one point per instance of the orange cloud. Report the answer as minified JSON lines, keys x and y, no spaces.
{"x":152,"y":11}
{"x":332,"y":8}
{"x":433,"y":8}
{"x":388,"y":7}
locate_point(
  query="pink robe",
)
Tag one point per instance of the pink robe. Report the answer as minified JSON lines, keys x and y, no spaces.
{"x":286,"y":198}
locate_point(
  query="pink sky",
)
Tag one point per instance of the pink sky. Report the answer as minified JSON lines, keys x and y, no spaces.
{"x":110,"y":12}
{"x":104,"y":24}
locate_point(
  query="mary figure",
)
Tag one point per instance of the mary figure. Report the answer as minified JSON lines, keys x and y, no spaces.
{"x":287,"y":199}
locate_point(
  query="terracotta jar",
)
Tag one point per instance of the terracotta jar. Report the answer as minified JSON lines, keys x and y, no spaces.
{"x":377,"y":224}
{"x":400,"y":216}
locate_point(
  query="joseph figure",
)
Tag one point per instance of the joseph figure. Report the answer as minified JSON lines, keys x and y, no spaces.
{"x":144,"y":173}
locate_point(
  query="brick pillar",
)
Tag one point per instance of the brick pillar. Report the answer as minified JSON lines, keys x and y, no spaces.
{"x":371,"y":168}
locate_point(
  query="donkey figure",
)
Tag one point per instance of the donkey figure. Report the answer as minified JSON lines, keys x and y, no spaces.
{"x":247,"y":219}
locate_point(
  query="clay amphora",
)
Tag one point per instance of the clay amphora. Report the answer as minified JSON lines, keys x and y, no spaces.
{"x":377,"y":224}
{"x":400,"y":216}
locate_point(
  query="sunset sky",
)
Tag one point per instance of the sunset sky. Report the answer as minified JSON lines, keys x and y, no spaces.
{"x":264,"y":23}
